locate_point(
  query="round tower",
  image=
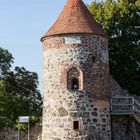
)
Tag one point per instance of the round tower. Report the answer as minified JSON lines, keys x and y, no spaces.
{"x":76,"y":77}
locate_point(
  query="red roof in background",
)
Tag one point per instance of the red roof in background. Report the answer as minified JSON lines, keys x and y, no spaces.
{"x":75,"y":18}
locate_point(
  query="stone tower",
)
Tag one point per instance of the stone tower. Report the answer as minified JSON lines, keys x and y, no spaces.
{"x":76,"y":74}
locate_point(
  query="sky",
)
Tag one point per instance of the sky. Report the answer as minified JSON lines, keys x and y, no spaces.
{"x":22,"y":24}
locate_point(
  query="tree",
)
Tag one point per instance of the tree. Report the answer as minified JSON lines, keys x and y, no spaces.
{"x":2,"y":104}
{"x":121,"y":20}
{"x":6,"y":60}
{"x":19,"y":94}
{"x":23,"y":84}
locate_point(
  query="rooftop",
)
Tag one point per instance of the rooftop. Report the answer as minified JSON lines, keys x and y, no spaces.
{"x":75,"y":18}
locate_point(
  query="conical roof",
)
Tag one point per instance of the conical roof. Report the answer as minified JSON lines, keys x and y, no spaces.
{"x":75,"y":18}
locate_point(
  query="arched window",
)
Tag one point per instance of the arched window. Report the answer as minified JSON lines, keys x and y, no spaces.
{"x":74,"y":81}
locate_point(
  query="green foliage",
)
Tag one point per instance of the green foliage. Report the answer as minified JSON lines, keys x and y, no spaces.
{"x":121,"y":19}
{"x":6,"y":61}
{"x":19,"y":94}
{"x":2,"y":104}
{"x":23,"y":83}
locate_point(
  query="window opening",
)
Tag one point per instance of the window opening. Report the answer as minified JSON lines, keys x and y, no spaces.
{"x":75,"y":84}
{"x":76,"y":125}
{"x":74,"y":79}
{"x":93,"y":59}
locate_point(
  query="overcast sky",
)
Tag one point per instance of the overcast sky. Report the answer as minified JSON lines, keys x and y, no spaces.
{"x":22,"y":24}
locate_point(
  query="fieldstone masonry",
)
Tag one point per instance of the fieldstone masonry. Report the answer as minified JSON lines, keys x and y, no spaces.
{"x":90,"y":104}
{"x":10,"y":134}
{"x":77,"y":86}
{"x":76,"y":77}
{"x":123,"y":126}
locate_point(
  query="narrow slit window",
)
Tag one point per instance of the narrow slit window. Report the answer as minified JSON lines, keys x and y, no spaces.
{"x":75,"y":84}
{"x":76,"y":125}
{"x":93,"y":59}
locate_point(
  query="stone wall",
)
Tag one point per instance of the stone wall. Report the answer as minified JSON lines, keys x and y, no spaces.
{"x":89,"y":105}
{"x":125,"y":127}
{"x":116,"y":90}
{"x":10,"y":134}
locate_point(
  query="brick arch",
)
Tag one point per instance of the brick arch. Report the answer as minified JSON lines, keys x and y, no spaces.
{"x":75,"y":77}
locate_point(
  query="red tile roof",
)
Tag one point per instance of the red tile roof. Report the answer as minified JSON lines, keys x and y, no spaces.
{"x":75,"y":18}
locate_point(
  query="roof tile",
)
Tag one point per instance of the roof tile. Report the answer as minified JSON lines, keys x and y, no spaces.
{"x":75,"y":18}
